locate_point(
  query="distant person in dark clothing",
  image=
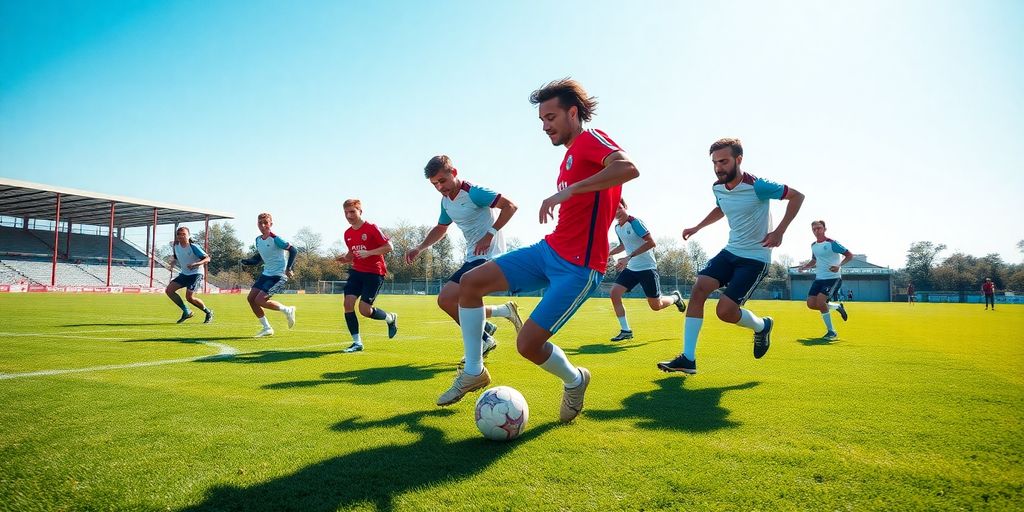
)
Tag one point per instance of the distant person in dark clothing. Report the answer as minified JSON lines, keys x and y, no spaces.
{"x":911,"y":299}
{"x":989,"y":289}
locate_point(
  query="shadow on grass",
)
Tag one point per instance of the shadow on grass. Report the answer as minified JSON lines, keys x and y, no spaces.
{"x":673,"y":407}
{"x":601,"y":348}
{"x":814,"y":342}
{"x":372,"y":478}
{"x":272,"y":356}
{"x":120,"y":324}
{"x":369,"y":376}
{"x":189,"y":339}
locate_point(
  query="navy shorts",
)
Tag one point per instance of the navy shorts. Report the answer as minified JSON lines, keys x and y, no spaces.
{"x":827,"y":286}
{"x":647,"y":279}
{"x":190,"y":282}
{"x":739,"y":276}
{"x":466,"y":267}
{"x":270,"y":284}
{"x":364,"y":285}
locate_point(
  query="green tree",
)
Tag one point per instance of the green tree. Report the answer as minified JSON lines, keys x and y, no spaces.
{"x":308,"y":241}
{"x":956,"y":273}
{"x":920,"y":261}
{"x":225,"y":249}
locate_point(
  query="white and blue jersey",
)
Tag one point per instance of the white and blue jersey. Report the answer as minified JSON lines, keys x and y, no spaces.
{"x":274,"y":251}
{"x":827,"y":254}
{"x":187,"y":256}
{"x":471,"y":211}
{"x":631,"y":236}
{"x":746,"y":209}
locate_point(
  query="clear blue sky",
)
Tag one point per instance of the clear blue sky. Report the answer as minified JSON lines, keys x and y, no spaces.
{"x":900,"y":121}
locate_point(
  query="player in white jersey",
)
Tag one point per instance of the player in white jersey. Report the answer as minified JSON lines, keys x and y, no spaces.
{"x":638,"y":267}
{"x":190,"y":259}
{"x":743,"y":200}
{"x":278,"y":257}
{"x":471,"y":208}
{"x":827,"y":256}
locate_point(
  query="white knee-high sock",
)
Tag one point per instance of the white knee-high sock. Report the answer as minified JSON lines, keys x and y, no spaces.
{"x":827,"y":318}
{"x":559,"y":366}
{"x":691,"y":330}
{"x":623,"y":323}
{"x":472,"y":322}
{"x":750,"y":320}
{"x":499,"y":311}
{"x":833,"y":305}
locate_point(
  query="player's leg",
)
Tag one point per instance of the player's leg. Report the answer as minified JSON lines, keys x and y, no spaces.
{"x":718,"y":270}
{"x":617,"y":291}
{"x":372,"y":284}
{"x":650,"y":281}
{"x":264,"y":300}
{"x":172,"y":293}
{"x":747,"y":275}
{"x":190,"y":296}
{"x":258,"y":296}
{"x":351,"y":320}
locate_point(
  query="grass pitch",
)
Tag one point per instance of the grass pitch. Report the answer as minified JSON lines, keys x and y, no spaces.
{"x":912,"y":408}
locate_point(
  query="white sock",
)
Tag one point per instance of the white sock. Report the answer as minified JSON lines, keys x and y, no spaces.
{"x":472,"y":322}
{"x":501,"y":311}
{"x":624,"y":324}
{"x":284,"y":309}
{"x":559,"y":366}
{"x":750,"y":320}
{"x":827,"y":318}
{"x":264,"y":322}
{"x":357,"y":338}
{"x":833,"y":306}
{"x":691,"y":330}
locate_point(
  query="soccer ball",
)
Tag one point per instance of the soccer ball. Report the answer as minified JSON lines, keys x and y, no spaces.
{"x":501,"y":413}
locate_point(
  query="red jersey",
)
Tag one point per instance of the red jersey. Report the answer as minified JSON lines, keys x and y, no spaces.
{"x":988,"y":287}
{"x":367,"y":237}
{"x":581,"y":235}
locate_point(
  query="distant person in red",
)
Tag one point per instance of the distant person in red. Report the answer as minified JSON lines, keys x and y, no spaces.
{"x":910,"y":294}
{"x":989,"y":289}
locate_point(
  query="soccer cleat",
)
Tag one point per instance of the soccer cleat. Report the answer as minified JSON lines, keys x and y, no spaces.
{"x":623,"y":335}
{"x":185,"y":316}
{"x":266,"y":331}
{"x":830,"y":336}
{"x":209,"y":317}
{"x":680,"y":304}
{"x":489,"y":329}
{"x":679,"y":364}
{"x":393,"y":326}
{"x":355,"y":347}
{"x":513,"y":316}
{"x":763,"y":339}
{"x":842,"y":311}
{"x":464,"y":383}
{"x":289,"y":314}
{"x":572,"y":398}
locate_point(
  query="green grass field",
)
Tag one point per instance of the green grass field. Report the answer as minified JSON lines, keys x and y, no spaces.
{"x":913,"y":408}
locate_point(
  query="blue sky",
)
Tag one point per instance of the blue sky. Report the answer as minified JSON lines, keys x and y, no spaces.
{"x":898,"y":120}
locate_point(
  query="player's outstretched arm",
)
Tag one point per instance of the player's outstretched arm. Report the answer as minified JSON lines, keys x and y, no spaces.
{"x":382,"y":250}
{"x":795,"y":200}
{"x":618,"y":169}
{"x":433,"y":236}
{"x":712,"y":217}
{"x":255,"y":259}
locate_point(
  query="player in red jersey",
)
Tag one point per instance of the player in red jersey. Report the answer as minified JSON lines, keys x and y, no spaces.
{"x":366,"y":249}
{"x":568,"y":263}
{"x":988,"y":289}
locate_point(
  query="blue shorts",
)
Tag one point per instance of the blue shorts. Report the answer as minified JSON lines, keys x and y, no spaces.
{"x":364,"y":285}
{"x":539,"y":266}
{"x":270,"y":284}
{"x":190,"y":282}
{"x":739,"y":276}
{"x":829,"y":287}
{"x":466,"y":267}
{"x":647,"y":279}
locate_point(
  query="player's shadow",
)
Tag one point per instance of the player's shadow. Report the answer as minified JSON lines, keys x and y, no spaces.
{"x":673,"y":407}
{"x":815,"y":342}
{"x":372,"y":478}
{"x":189,"y":339}
{"x":601,"y":348}
{"x":273,"y":356}
{"x":119,"y":324}
{"x":369,"y":376}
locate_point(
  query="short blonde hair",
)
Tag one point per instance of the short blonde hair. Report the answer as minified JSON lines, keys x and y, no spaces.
{"x":353,"y":203}
{"x":264,"y":215}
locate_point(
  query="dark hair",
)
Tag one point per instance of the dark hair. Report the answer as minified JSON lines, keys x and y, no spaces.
{"x":818,"y":222}
{"x":735,"y":144}
{"x":570,"y":94}
{"x":353,"y":203}
{"x":437,"y":164}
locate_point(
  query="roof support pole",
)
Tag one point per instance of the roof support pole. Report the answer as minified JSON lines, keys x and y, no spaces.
{"x":110,"y":243}
{"x":56,"y":241}
{"x":206,"y":249}
{"x":152,"y":252}
{"x":67,"y":243}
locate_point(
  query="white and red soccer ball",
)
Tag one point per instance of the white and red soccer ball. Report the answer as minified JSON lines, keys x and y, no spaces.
{"x":501,"y":413}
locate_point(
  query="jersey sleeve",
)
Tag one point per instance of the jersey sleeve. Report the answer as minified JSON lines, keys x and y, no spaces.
{"x":198,"y":251}
{"x":382,"y":239}
{"x":280,"y":243}
{"x":598,"y":146}
{"x":444,"y":219}
{"x":483,"y":196}
{"x":639,"y":228}
{"x":765,"y":189}
{"x":838,"y":248}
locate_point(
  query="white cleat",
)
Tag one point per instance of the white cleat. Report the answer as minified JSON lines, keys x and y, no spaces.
{"x":513,"y":316}
{"x":266,"y":331}
{"x":289,"y":314}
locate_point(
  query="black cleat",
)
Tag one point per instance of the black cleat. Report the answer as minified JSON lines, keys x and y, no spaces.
{"x":623,"y":335}
{"x":842,"y":311}
{"x":680,"y":304}
{"x":679,"y":364}
{"x":209,"y":317}
{"x":763,"y":339}
{"x":393,"y":326}
{"x":185,"y":316}
{"x":490,"y":329}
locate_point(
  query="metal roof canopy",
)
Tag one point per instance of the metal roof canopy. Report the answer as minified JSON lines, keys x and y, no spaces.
{"x":35,"y":201}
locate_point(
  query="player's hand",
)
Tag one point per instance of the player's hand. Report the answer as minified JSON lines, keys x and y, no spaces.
{"x":834,"y":268}
{"x":362,"y":254}
{"x":411,"y":254}
{"x":547,"y":207}
{"x":621,"y":264}
{"x":773,"y":239}
{"x":688,"y":232}
{"x":484,"y":245}
{"x":288,"y":274}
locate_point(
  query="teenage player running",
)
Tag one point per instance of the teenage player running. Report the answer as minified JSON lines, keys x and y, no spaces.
{"x":827,"y":256}
{"x":366,"y":249}
{"x":743,"y":200}
{"x":190,"y":259}
{"x":471,"y":208}
{"x":569,"y":262}
{"x":638,"y":267}
{"x":278,"y":257}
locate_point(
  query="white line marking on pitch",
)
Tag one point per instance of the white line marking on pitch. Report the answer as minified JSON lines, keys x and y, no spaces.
{"x":225,"y":351}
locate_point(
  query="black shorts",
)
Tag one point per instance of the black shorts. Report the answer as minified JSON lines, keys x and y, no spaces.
{"x":191,"y":282}
{"x":739,"y":276}
{"x":466,"y":267}
{"x":829,"y":287}
{"x":364,"y":285}
{"x":270,"y":284}
{"x":647,"y":279}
